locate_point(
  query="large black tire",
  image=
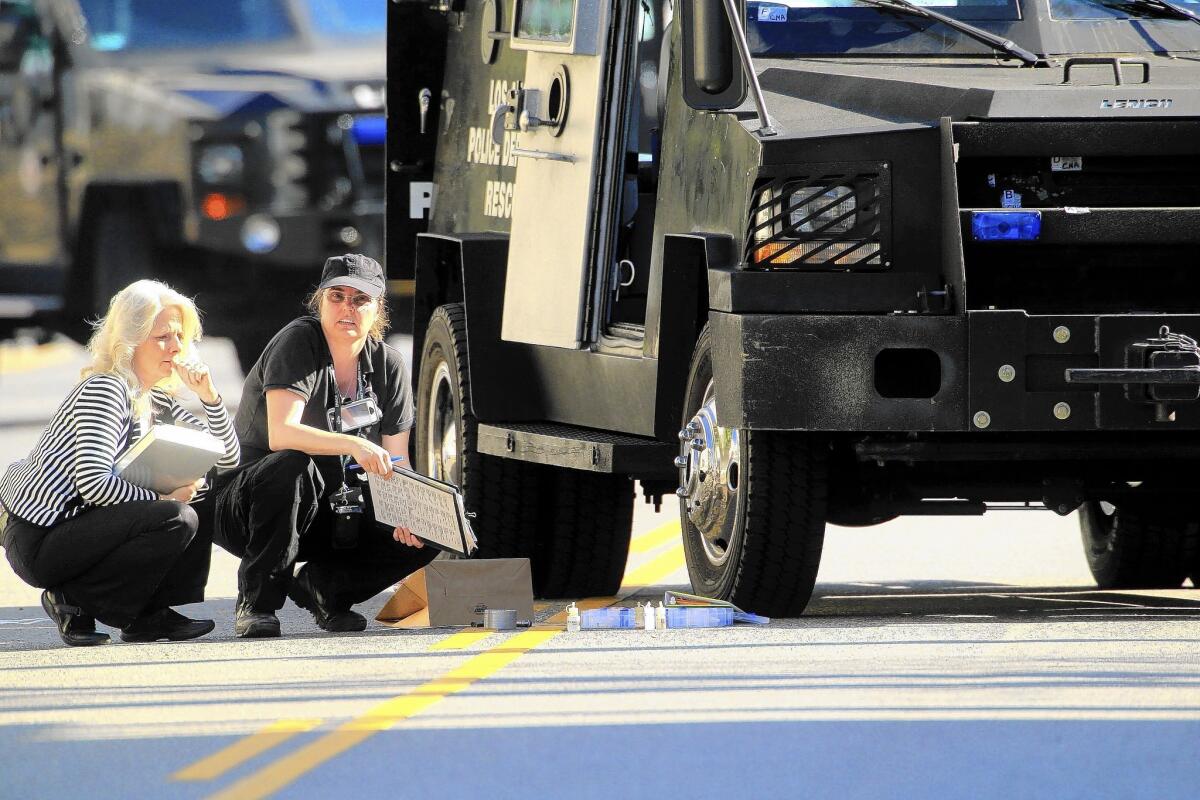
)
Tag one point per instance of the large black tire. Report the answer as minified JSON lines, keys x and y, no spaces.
{"x":116,"y":249}
{"x":583,"y":542}
{"x":503,"y":493}
{"x":775,"y":521}
{"x":1128,"y":548}
{"x":122,"y":252}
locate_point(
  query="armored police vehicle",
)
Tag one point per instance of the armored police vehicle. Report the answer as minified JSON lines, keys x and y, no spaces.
{"x":226,"y":146}
{"x":806,"y":263}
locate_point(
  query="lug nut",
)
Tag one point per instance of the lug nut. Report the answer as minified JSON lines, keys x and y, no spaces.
{"x":683,"y":434}
{"x":697,"y":444}
{"x":681,"y":492}
{"x":681,"y":462}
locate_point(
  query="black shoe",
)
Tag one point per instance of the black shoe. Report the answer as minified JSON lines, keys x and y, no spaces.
{"x":75,"y":628}
{"x":166,"y":623}
{"x":334,"y":621}
{"x":251,"y":624}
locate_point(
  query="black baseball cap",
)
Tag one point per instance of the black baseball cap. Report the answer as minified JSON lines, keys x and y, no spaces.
{"x":355,"y":270}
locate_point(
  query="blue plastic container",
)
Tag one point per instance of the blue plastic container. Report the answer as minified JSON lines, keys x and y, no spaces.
{"x":613,"y":617}
{"x":698,"y":617}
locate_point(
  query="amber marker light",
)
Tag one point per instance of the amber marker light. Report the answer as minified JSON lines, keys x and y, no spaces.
{"x":768,"y":251}
{"x":218,"y":206}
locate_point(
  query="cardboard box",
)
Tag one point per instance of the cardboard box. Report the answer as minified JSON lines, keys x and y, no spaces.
{"x":448,"y":592}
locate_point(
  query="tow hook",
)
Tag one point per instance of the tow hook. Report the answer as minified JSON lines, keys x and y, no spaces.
{"x":1159,"y":371}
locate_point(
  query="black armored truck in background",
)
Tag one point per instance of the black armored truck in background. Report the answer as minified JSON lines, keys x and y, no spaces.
{"x":802,"y":263}
{"x":226,"y":147}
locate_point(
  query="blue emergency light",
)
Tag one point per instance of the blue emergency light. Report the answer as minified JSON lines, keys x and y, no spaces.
{"x":370,"y":130}
{"x":1006,"y":226}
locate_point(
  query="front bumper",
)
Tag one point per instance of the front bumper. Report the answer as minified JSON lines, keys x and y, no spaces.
{"x":985,"y":371}
{"x":306,"y":237}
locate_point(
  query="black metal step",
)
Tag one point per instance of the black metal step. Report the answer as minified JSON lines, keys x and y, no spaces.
{"x":578,"y":448}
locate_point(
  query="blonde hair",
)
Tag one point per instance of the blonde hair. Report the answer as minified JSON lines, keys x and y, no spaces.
{"x":128,"y":323}
{"x":382,"y":320}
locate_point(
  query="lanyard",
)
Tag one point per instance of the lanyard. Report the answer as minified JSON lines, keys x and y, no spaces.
{"x":337,"y":405}
{"x":337,"y":392}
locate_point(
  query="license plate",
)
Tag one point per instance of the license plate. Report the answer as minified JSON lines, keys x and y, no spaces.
{"x":1066,"y":163}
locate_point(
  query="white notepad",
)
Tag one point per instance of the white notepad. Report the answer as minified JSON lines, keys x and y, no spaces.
{"x":169,"y":456}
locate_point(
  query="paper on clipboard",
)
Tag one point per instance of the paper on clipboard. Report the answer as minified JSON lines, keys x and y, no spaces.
{"x":431,"y":509}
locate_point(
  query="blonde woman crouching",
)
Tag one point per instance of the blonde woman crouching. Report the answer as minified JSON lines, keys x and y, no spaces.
{"x":103,"y":548}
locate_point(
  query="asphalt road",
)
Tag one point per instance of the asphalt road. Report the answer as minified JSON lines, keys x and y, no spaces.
{"x":940,"y":657}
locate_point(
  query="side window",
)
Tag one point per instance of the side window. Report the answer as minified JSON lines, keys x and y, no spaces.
{"x":654,"y":15}
{"x":26,"y":66}
{"x":18,"y":32}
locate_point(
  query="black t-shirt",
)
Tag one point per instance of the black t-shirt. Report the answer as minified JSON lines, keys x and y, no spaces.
{"x":298,"y":359}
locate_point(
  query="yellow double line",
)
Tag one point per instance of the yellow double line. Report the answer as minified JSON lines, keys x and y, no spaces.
{"x":286,"y":770}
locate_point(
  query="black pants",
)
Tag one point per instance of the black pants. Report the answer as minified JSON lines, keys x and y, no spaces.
{"x":275,"y":512}
{"x":116,"y":562}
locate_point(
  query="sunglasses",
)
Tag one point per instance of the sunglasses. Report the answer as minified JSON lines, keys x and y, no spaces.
{"x":358,"y":299}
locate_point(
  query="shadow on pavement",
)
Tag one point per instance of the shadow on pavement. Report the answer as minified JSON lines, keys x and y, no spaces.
{"x":951,"y":601}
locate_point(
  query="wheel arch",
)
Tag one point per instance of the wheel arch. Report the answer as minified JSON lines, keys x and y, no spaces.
{"x":681,"y":315}
{"x":468,"y":269}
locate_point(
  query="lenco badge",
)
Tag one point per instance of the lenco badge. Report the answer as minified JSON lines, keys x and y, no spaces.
{"x":1135,"y":103}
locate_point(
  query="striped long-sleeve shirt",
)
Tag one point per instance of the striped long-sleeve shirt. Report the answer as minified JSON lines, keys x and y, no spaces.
{"x":72,"y":466}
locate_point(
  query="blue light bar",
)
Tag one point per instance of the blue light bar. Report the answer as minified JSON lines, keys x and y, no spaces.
{"x":1006,"y":226}
{"x":370,"y":130}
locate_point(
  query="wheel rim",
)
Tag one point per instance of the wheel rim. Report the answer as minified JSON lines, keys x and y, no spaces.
{"x":709,"y":477}
{"x":441,"y":437}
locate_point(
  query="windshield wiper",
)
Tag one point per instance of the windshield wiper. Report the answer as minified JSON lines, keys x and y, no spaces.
{"x":978,"y":34}
{"x":1164,"y":7}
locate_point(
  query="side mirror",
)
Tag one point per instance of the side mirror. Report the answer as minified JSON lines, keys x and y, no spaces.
{"x":16,"y":27}
{"x":713,"y":79}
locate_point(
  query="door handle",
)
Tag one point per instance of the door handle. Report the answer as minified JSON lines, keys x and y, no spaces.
{"x":499,"y":123}
{"x":423,"y":99}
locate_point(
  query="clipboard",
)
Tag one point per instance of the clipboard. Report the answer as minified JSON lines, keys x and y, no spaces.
{"x":433,"y":510}
{"x":169,"y":456}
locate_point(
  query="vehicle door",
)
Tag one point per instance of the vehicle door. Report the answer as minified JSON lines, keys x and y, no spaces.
{"x":30,"y":222}
{"x":416,"y":49}
{"x":561,"y":115}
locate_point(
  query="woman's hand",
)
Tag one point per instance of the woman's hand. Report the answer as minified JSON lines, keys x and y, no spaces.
{"x":184,"y":494}
{"x":405,"y":536}
{"x":371,"y":457}
{"x":196,"y":376}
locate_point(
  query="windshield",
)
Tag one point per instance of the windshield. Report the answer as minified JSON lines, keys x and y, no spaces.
{"x":121,"y":25}
{"x":783,"y":28}
{"x":820,"y":27}
{"x":1110,"y":9}
{"x":341,"y":19}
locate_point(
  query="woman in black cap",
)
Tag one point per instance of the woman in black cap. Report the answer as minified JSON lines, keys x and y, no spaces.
{"x":326,"y":399}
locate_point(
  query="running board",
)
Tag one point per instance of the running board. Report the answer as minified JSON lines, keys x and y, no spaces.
{"x":579,"y":448}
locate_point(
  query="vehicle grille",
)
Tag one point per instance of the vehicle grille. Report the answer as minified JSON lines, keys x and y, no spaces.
{"x":343,"y":169}
{"x":1120,"y":228}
